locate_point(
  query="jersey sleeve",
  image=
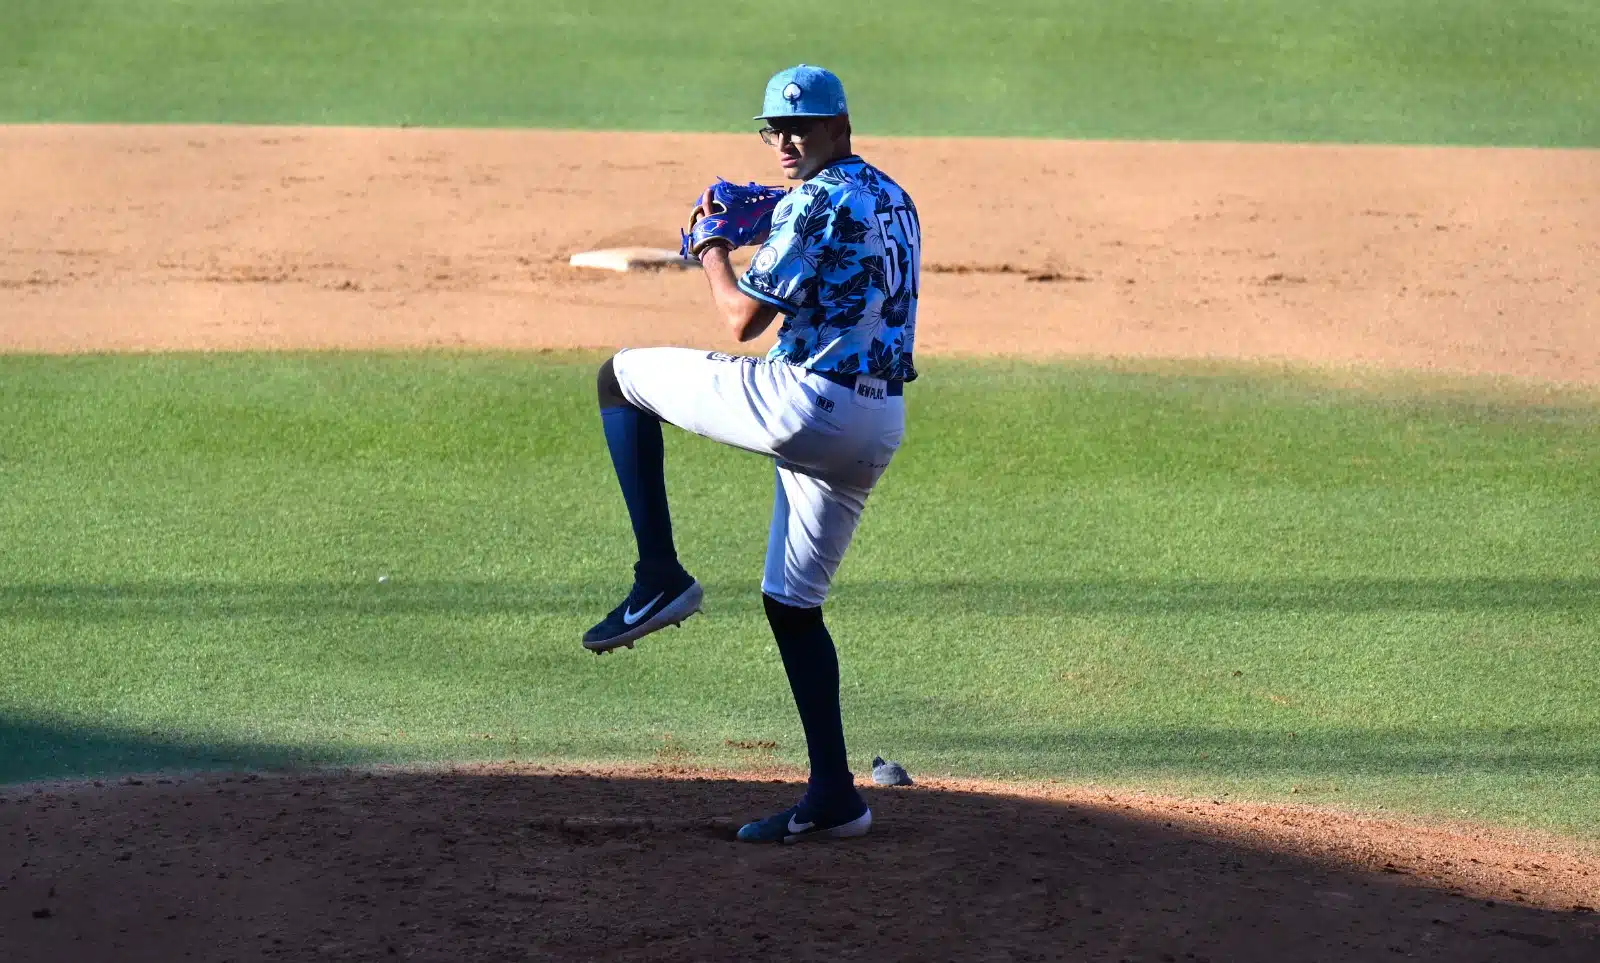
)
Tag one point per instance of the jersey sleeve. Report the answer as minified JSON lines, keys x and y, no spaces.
{"x":784,"y":271}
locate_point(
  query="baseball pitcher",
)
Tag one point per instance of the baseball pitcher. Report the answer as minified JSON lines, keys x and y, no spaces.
{"x":839,"y":260}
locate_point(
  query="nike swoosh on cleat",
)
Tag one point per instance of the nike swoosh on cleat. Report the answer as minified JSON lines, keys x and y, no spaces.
{"x":795,"y":827}
{"x":629,"y":616}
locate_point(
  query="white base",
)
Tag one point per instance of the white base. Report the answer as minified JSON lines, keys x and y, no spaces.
{"x":631,"y":259}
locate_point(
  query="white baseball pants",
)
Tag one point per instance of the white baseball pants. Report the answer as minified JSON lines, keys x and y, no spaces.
{"x":831,"y":443}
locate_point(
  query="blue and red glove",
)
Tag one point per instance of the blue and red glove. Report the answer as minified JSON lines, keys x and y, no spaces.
{"x":730,"y":216}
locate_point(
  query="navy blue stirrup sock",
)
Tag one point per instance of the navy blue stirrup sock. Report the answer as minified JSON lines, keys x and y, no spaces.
{"x":812,"y":665}
{"x":637,"y":454}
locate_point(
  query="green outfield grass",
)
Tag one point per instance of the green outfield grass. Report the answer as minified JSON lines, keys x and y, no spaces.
{"x":1412,"y":71}
{"x":1177,"y":578}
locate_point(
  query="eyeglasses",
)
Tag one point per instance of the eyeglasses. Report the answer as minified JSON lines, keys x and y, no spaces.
{"x":772,"y":136}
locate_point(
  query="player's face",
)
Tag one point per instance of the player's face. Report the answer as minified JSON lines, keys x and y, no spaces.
{"x":804,"y":145}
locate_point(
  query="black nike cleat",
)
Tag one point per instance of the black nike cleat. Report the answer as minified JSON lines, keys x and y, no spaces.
{"x":805,"y":821}
{"x":650,"y":606}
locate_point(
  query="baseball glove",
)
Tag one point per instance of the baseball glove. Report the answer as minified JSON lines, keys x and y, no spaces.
{"x":738,"y":216}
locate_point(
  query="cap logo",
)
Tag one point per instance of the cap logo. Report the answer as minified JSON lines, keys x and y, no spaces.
{"x":792,"y":93}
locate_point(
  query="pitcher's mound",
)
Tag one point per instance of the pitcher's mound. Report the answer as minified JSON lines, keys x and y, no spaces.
{"x":518,"y":863}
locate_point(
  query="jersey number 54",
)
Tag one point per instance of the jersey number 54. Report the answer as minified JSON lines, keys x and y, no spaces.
{"x":898,"y":261}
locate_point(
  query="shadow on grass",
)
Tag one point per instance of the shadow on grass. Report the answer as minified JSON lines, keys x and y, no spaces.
{"x":1338,"y":596}
{"x":32,"y":750}
{"x":518,"y":864}
{"x":165,"y":600}
{"x":1527,"y":751}
{"x":37,"y":750}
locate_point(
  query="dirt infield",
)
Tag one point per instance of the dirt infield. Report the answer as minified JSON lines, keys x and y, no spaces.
{"x":134,"y":239}
{"x":1475,"y":261}
{"x":508,"y":863}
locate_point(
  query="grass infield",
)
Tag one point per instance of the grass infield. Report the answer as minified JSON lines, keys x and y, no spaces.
{"x":1357,"y":591}
{"x":1515,"y":72}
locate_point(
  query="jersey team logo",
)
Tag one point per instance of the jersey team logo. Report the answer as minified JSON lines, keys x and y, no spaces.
{"x":765,"y":260}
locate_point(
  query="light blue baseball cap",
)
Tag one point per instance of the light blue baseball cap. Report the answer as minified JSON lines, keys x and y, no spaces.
{"x":803,"y":91}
